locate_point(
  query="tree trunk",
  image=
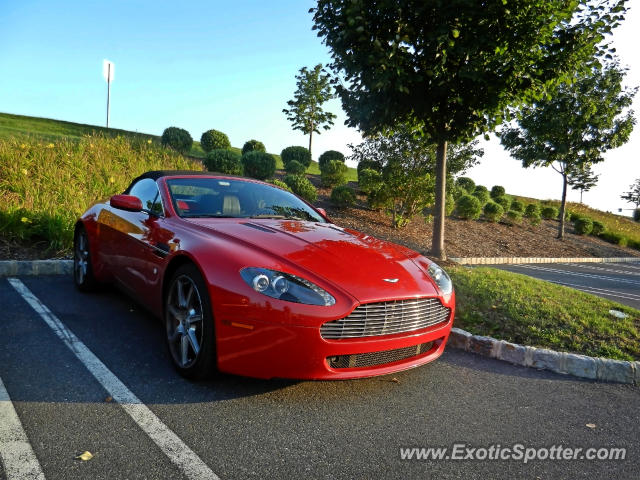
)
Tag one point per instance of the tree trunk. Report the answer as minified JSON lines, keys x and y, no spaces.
{"x":310,"y":134}
{"x":563,"y":206}
{"x":437,"y":242}
{"x":581,"y":196}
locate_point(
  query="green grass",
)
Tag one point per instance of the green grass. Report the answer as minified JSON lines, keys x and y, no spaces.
{"x":49,"y":130}
{"x":528,"y":311}
{"x":45,"y":186}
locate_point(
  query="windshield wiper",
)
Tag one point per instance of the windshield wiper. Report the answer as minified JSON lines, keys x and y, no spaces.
{"x":277,"y":217}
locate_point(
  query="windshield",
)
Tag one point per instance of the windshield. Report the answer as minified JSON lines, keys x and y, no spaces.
{"x":229,"y":198}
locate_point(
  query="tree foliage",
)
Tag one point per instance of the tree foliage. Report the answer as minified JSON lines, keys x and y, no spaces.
{"x":305,"y":111}
{"x":633,"y":195}
{"x":407,"y":170}
{"x":582,"y":179}
{"x":573,"y":129}
{"x":402,"y":142}
{"x":452,"y":69}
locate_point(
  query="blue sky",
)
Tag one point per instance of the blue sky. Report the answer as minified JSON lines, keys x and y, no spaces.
{"x":224,"y":65}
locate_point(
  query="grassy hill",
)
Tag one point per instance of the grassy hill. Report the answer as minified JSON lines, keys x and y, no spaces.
{"x":614,"y":223}
{"x":21,"y":126}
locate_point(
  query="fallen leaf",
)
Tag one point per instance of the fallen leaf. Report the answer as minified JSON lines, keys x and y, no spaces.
{"x":395,"y":380}
{"x":86,"y":456}
{"x":591,"y":425}
{"x":109,"y":399}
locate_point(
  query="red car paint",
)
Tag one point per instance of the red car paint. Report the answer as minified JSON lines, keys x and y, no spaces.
{"x":257,"y":335}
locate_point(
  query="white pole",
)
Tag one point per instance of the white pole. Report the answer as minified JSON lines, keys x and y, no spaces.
{"x":108,"y":91}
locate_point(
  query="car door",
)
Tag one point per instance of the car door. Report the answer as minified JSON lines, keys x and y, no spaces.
{"x":145,"y":246}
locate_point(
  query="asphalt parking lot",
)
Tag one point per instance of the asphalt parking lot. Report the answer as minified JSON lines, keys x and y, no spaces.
{"x":236,"y":427}
{"x":616,"y":281}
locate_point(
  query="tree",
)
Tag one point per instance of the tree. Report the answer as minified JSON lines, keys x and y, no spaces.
{"x":582,"y":179}
{"x":305,"y":110}
{"x":452,"y":68}
{"x":633,"y":195}
{"x":573,"y":129}
{"x":406,"y":181}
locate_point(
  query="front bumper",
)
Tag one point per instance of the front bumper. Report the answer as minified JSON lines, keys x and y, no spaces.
{"x":257,"y":347}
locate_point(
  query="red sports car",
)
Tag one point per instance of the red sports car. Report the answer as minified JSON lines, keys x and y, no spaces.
{"x":252,"y":280}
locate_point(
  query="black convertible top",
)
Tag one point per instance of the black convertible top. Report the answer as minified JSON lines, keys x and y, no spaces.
{"x":156,"y":174}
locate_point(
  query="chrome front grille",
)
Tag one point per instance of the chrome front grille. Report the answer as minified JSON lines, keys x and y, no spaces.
{"x":374,"y":359}
{"x":386,"y":318}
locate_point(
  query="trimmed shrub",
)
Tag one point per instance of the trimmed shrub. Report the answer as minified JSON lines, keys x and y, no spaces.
{"x":504,"y":201}
{"x":378,"y":199}
{"x":259,"y":165}
{"x":457,"y":191}
{"x":299,"y":154}
{"x":616,"y":238}
{"x":449,"y":205}
{"x":482,"y":194}
{"x":493,"y":211}
{"x":214,"y":139}
{"x":574,"y":216}
{"x":369,"y":165}
{"x":223,"y":161}
{"x":497,"y":191}
{"x":517,"y":206}
{"x":549,"y":213}
{"x":281,"y":184}
{"x":513,"y":217}
{"x":635,"y":244}
{"x":598,"y":228}
{"x":532,"y":212}
{"x":294,"y":167}
{"x":369,"y":180}
{"x":301,"y":186}
{"x":636,"y":214}
{"x":333,"y":173}
{"x":468,"y":207}
{"x":253,"y":146}
{"x":343,"y":196}
{"x":177,"y":138}
{"x":583,"y":226}
{"x":467,"y":184}
{"x":329,"y":155}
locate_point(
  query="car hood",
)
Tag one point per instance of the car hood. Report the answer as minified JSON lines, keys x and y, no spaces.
{"x":365,"y":267}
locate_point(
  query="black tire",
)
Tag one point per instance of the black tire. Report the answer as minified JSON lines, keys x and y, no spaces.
{"x":190,"y":330}
{"x":82,"y":267}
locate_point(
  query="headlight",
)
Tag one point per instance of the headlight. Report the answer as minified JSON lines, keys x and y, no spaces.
{"x":441,"y":278}
{"x":285,"y":286}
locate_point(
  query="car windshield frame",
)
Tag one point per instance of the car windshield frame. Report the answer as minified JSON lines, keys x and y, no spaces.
{"x":224,"y":197}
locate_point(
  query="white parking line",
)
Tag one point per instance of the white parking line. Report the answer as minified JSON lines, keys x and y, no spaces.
{"x":16,"y":454}
{"x":170,"y":444}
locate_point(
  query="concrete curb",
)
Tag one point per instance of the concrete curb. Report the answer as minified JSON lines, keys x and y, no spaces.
{"x":581,"y":366}
{"x":35,"y":267}
{"x":516,"y":260}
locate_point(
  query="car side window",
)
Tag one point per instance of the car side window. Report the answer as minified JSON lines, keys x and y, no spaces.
{"x":147,"y":191}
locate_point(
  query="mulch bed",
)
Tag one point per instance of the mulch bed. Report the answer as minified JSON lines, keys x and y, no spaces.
{"x":468,"y":238}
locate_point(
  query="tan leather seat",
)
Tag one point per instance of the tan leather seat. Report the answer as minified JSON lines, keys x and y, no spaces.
{"x":231,"y":205}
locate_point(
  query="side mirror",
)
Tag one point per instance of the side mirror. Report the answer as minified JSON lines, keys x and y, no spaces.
{"x":126,"y":202}
{"x":322,"y":212}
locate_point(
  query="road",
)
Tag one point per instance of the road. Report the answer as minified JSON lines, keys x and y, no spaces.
{"x":236,"y":427}
{"x":616,"y":281}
